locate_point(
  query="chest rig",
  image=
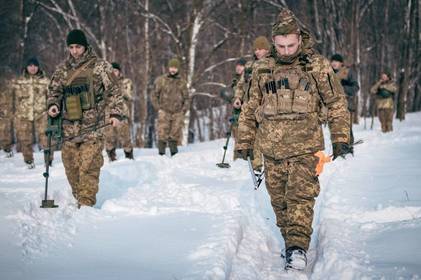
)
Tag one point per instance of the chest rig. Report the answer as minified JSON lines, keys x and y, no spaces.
{"x":79,"y":92}
{"x":288,"y":92}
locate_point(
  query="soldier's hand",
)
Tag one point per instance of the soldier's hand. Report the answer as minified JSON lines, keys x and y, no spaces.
{"x":246,"y":153}
{"x":53,"y":111}
{"x":237,"y":103}
{"x":341,"y":149}
{"x":114,"y":122}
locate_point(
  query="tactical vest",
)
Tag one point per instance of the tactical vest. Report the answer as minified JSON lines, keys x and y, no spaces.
{"x":288,"y":93}
{"x":79,"y":92}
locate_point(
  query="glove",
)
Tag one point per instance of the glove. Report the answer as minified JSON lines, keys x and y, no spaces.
{"x":341,"y":149}
{"x":246,"y":153}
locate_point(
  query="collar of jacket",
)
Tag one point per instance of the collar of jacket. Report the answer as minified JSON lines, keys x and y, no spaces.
{"x":74,"y":63}
{"x":175,"y":76}
{"x":40,"y":74}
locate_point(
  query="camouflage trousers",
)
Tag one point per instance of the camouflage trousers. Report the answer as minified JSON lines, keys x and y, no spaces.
{"x":293,"y":186}
{"x":118,"y":135}
{"x":24,"y":135}
{"x":234,"y":134}
{"x":6,"y":139}
{"x":257,"y":161}
{"x":386,"y":119}
{"x":82,"y":163}
{"x":170,"y":126}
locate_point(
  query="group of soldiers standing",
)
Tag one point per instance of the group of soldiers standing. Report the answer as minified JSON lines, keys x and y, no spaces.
{"x":280,"y":95}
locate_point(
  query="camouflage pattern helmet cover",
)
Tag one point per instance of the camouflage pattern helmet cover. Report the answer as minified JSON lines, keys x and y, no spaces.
{"x":285,"y":24}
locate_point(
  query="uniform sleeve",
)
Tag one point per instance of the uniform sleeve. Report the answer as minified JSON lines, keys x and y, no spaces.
{"x":55,"y":89}
{"x":391,"y":87}
{"x":333,"y":97}
{"x":115,"y":101}
{"x":375,"y":87}
{"x":129,"y":93}
{"x":155,"y":94}
{"x":186,"y":98}
{"x":239,"y":89}
{"x":351,"y":86}
{"x":247,"y":121}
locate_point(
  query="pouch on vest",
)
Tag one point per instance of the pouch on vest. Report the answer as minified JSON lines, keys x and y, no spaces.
{"x":269,"y":104}
{"x":73,"y":108}
{"x":284,"y":101}
{"x":302,"y":98}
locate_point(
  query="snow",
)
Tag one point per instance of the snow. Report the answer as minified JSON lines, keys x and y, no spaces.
{"x":184,"y":218}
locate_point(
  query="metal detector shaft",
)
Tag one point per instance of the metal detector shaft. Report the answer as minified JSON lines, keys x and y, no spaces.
{"x":253,"y":176}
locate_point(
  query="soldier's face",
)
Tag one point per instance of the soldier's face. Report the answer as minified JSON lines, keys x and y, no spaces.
{"x":384,"y":77}
{"x":260,"y":53}
{"x":287,"y":44}
{"x":173,"y":70}
{"x":239,"y":69}
{"x":76,"y":50}
{"x":116,"y":72}
{"x":336,"y":64}
{"x":32,"y":69}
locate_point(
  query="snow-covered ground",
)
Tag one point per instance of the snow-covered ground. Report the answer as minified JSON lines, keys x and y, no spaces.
{"x":185,"y":218}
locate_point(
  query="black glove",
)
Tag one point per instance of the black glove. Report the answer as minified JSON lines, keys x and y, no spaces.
{"x":246,"y":153}
{"x":345,"y":82}
{"x":341,"y":149}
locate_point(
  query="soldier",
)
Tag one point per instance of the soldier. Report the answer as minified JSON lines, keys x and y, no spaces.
{"x":122,"y":133}
{"x":86,"y":93}
{"x":240,"y":67}
{"x":261,"y":48}
{"x":171,"y":100}
{"x":6,"y":112}
{"x":347,"y":78}
{"x":285,"y":98}
{"x":385,"y":90}
{"x":30,"y":99}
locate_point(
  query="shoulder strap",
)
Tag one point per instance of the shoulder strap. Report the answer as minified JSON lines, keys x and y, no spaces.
{"x":76,"y":72}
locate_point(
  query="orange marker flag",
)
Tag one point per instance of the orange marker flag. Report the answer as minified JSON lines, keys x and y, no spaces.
{"x":322,"y":160}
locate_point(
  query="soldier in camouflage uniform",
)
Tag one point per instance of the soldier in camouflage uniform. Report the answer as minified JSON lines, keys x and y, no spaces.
{"x":171,"y":100}
{"x":86,"y":93}
{"x":240,"y":67}
{"x":347,"y":78}
{"x":261,"y":48}
{"x":6,"y":114}
{"x":385,"y":90}
{"x":121,"y":134}
{"x":285,"y":98}
{"x":30,"y":99}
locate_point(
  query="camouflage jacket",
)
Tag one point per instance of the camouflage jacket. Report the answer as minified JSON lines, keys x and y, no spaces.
{"x":99,"y":80}
{"x":384,"y":102}
{"x":285,"y":99}
{"x":347,"y":78}
{"x":243,"y":85}
{"x":6,"y":101}
{"x":126,"y":86}
{"x":170,"y":94}
{"x":30,"y":95}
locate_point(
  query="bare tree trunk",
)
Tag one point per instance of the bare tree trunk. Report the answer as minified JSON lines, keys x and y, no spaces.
{"x":143,"y":99}
{"x":405,"y":66}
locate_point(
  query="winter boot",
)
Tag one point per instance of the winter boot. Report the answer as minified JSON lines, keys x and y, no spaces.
{"x":9,"y":153}
{"x":111,"y":154}
{"x":173,"y":147}
{"x":295,"y":258}
{"x":161,"y":147}
{"x":30,"y":164}
{"x":129,"y":154}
